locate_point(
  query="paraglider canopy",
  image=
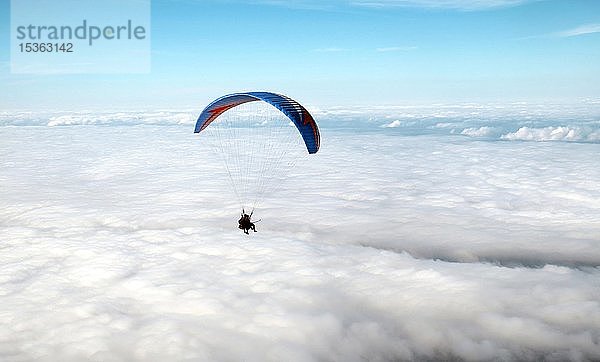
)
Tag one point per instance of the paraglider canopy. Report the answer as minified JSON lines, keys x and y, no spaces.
{"x":260,"y":136}
{"x":303,"y":120}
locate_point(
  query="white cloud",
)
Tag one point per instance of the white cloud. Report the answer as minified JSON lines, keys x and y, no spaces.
{"x":120,"y":243}
{"x":560,"y":133}
{"x":394,"y":124}
{"x":53,"y":119}
{"x":580,"y":30}
{"x":508,"y":113}
{"x":478,"y":131}
{"x":518,"y":121}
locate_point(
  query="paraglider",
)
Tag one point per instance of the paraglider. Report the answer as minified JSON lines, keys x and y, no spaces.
{"x":259,"y":136}
{"x":245,"y":222}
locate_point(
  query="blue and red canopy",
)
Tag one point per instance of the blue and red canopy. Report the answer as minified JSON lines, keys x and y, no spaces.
{"x":303,"y":120}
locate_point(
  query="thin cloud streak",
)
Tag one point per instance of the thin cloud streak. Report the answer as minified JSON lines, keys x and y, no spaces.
{"x":580,"y":30}
{"x":584,"y":29}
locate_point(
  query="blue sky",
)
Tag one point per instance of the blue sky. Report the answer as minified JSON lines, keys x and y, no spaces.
{"x":341,"y":52}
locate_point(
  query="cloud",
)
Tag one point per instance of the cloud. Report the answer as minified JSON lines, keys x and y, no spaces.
{"x":584,"y":29}
{"x":120,"y":243}
{"x":580,"y":30}
{"x":575,"y":122}
{"x":478,"y":131}
{"x":510,"y":114}
{"x":81,"y":118}
{"x":394,"y":124}
{"x":560,"y":133}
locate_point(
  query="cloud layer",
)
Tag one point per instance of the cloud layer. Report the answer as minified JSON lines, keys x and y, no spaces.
{"x":574,"y":122}
{"x":120,"y":243}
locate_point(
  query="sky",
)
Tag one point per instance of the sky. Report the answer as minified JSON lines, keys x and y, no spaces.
{"x":340,"y":53}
